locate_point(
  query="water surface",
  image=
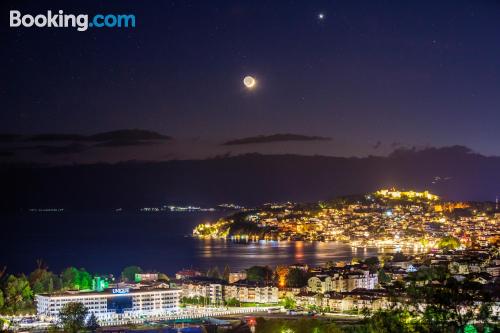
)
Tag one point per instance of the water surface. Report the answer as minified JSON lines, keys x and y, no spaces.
{"x":105,"y":242}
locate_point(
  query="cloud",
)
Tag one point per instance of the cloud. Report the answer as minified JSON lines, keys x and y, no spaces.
{"x":56,"y":137}
{"x":118,"y":135}
{"x":274,"y":138}
{"x":8,"y":137}
{"x":377,"y":144}
{"x":128,"y":134}
{"x":125,"y":143}
{"x":435,"y":152}
{"x":74,"y":148}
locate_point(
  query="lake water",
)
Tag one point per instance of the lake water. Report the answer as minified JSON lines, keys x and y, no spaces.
{"x":107,"y":242}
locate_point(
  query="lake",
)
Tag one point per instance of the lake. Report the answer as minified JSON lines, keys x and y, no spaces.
{"x":107,"y":242}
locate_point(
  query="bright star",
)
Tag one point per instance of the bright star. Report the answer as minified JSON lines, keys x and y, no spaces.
{"x":321,"y":16}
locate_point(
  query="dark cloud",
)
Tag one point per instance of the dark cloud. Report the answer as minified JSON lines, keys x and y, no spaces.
{"x":57,"y":137}
{"x":377,"y":144}
{"x":118,"y":135}
{"x":74,"y":148}
{"x":8,"y":137}
{"x":125,"y":143}
{"x":128,"y":134}
{"x":275,"y":138}
{"x":428,"y":152}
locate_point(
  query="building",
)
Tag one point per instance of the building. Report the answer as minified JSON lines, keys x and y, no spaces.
{"x":251,"y":293}
{"x":211,"y":291}
{"x":146,"y":277}
{"x":215,"y":291}
{"x":342,"y":282}
{"x":235,"y":277}
{"x":187,"y":274}
{"x":112,"y":304}
{"x":319,"y":283}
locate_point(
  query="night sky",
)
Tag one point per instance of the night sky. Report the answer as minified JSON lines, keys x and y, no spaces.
{"x":380,"y":73}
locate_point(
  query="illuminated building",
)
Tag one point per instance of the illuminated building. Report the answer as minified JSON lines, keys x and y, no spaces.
{"x":342,"y":282}
{"x":112,"y":304}
{"x":450,"y":206}
{"x":145,"y":277}
{"x":235,"y":277}
{"x":210,"y":291}
{"x":251,"y":293}
{"x":394,"y":194}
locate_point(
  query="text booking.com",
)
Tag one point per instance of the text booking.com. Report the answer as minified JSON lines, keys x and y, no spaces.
{"x":82,"y":22}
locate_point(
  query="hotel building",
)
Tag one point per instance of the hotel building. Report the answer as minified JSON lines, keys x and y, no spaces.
{"x":113,"y":304}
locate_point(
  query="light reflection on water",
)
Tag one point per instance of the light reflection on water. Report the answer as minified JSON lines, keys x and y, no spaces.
{"x":152,"y":241}
{"x":242,"y":255}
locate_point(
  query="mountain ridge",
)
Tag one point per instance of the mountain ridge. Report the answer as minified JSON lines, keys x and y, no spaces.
{"x":249,"y":179}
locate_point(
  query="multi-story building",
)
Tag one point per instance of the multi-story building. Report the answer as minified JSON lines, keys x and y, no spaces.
{"x":146,"y":277}
{"x":210,"y":291}
{"x":235,"y":277}
{"x":251,"y":293}
{"x":112,"y":304}
{"x":319,"y":283}
{"x":342,"y":282}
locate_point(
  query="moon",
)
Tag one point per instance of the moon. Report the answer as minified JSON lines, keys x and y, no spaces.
{"x":249,"y":82}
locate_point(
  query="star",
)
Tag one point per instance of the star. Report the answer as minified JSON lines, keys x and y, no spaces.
{"x":321,"y":16}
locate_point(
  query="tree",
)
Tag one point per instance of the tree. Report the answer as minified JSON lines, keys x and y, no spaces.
{"x":296,"y":278}
{"x":452,"y":304}
{"x":225,"y":274}
{"x":292,"y":326}
{"x":259,"y":274}
{"x":69,"y":278}
{"x":2,"y":298}
{"x":128,"y":273}
{"x":73,"y":278}
{"x":18,"y":293}
{"x":84,"y":280}
{"x":43,"y":281}
{"x":72,"y":317}
{"x":232,"y":302}
{"x":383,"y":278}
{"x":372,"y":262}
{"x":214,"y":273}
{"x":281,"y":273}
{"x":289,"y":303}
{"x":92,"y":323}
{"x":163,"y":277}
{"x":449,"y":243}
{"x":398,"y":256}
{"x":390,"y":321}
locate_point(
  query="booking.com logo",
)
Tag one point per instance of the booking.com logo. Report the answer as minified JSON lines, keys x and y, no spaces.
{"x":81,"y":21}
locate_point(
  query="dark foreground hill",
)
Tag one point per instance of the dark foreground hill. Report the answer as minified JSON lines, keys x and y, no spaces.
{"x":453,"y":172}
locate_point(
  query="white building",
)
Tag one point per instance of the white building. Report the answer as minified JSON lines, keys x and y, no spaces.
{"x":112,"y":304}
{"x":146,"y":277}
{"x":212,"y":292}
{"x":342,"y":282}
{"x":235,"y":277}
{"x":250,"y":293}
